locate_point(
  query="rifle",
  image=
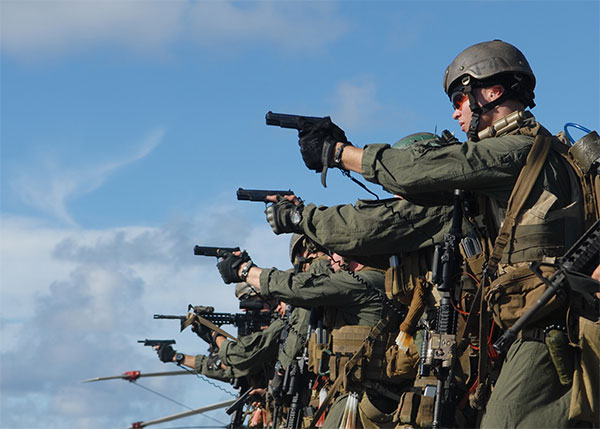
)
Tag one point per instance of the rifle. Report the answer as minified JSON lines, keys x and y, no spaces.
{"x":152,"y":343}
{"x":236,"y":410}
{"x":582,"y":257}
{"x":297,"y":385}
{"x":246,"y":323}
{"x":259,"y":194}
{"x":441,"y":348}
{"x":284,"y":120}
{"x":214,"y":251}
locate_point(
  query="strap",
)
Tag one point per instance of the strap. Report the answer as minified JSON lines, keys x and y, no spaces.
{"x":194,"y":318}
{"x":528,"y":176}
{"x":375,"y":332}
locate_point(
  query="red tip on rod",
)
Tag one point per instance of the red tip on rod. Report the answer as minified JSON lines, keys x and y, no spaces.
{"x":132,"y":376}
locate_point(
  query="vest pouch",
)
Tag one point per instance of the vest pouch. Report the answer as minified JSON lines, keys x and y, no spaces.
{"x":345,"y":342}
{"x":515,"y":292}
{"x":318,"y":356}
{"x":585,"y":393}
{"x":475,"y":264}
{"x":401,"y":364}
{"x":402,"y":275}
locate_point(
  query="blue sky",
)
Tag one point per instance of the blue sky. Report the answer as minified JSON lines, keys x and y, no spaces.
{"x":127,"y":126}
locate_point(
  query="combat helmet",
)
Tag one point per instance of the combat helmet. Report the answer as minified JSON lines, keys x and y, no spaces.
{"x":296,"y":245}
{"x":486,"y":64}
{"x":414,"y":138}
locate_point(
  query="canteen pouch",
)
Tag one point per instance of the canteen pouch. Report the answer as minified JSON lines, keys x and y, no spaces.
{"x":562,"y":355}
{"x":401,"y":363}
{"x":585,"y":393}
{"x":515,"y":292}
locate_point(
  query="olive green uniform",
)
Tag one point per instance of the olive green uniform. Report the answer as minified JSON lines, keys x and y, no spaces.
{"x":296,"y":337}
{"x":253,"y":353}
{"x":490,"y":168}
{"x":348,"y":301}
{"x":206,"y":366}
{"x":381,"y":227}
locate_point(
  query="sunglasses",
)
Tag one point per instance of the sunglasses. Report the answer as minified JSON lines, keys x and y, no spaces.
{"x":458,"y":98}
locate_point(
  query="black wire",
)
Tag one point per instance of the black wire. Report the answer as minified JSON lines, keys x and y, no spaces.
{"x":359,"y":183}
{"x":385,"y":300}
{"x":193,"y":427}
{"x":204,"y":378}
{"x":163,"y":396}
{"x":183,"y":405}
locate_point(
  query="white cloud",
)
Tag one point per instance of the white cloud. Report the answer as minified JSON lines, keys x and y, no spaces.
{"x":356,"y":103}
{"x":50,"y":185}
{"x":290,"y":25}
{"x":75,"y":301}
{"x":34,"y":30}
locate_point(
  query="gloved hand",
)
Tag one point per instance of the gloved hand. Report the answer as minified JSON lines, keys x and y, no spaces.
{"x":312,"y":139}
{"x":230,"y":265}
{"x":284,"y":216}
{"x":166,"y":353}
{"x":276,"y":383}
{"x":203,"y":332}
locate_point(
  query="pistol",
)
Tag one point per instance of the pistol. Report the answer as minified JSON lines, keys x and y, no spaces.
{"x":259,"y":194}
{"x":152,"y":343}
{"x":214,"y":251}
{"x":284,"y":120}
{"x":296,"y":122}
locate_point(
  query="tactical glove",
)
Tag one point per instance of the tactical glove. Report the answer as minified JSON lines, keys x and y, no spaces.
{"x":166,"y":353}
{"x":230,"y":265}
{"x":312,"y":138}
{"x":276,"y":383}
{"x":284,"y":216}
{"x":203,"y":332}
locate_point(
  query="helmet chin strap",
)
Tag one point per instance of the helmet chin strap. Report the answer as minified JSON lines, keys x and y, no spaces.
{"x":479,"y":110}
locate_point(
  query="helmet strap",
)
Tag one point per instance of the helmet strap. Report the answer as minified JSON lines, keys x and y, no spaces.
{"x":480,"y":110}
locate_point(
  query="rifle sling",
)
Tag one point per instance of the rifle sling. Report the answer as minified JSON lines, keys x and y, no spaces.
{"x":214,"y":327}
{"x":375,"y":332}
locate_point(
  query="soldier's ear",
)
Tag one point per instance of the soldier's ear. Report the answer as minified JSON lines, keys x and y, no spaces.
{"x":495,"y":92}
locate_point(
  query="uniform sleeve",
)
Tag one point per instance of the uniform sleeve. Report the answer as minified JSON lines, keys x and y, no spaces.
{"x":490,"y":166}
{"x":380,"y":227}
{"x":296,"y":338}
{"x":311,"y":289}
{"x":201,"y":365}
{"x":248,"y":355}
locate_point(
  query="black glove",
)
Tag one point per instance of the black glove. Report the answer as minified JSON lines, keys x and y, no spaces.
{"x":284,"y":216}
{"x":230,"y":265}
{"x":203,"y":332}
{"x":166,"y":353}
{"x":276,"y":383}
{"x":312,"y":137}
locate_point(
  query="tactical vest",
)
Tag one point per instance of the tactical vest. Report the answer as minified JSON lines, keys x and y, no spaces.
{"x":541,"y":234}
